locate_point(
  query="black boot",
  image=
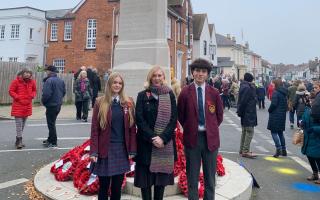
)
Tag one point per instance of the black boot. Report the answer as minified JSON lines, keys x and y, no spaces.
{"x":146,"y":193}
{"x":313,"y":177}
{"x":277,"y":154}
{"x":284,"y":152}
{"x":19,"y":144}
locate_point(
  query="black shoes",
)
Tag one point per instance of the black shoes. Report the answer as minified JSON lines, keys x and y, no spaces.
{"x":48,"y":144}
{"x":278,"y":153}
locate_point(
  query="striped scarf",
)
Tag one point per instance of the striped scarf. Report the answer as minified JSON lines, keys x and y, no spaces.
{"x":162,"y":159}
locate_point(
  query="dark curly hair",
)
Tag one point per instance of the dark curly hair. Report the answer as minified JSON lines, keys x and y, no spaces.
{"x":201,"y":63}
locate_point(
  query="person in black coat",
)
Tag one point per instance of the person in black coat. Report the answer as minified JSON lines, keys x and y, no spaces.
{"x":150,"y":140}
{"x":247,"y":111}
{"x":261,"y":95}
{"x":96,"y":86}
{"x":277,"y":117}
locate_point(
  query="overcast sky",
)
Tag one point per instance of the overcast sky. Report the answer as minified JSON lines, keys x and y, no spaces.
{"x":285,"y":31}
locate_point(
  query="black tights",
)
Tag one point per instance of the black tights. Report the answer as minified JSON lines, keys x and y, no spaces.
{"x":116,"y":183}
{"x":158,"y":193}
{"x":315,"y":164}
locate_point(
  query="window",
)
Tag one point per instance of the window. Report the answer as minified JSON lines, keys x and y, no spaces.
{"x":205,"y":48}
{"x":68,"y":30}
{"x":54,"y":32}
{"x":2,"y":29}
{"x":59,"y":64}
{"x":15,"y":31}
{"x":30,"y":33}
{"x":169,"y":22}
{"x":179,"y":32}
{"x":13,"y":59}
{"x":91,"y":33}
{"x":117,"y":25}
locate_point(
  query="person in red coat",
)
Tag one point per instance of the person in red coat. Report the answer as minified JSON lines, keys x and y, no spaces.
{"x":22,"y":90}
{"x":270,"y":91}
{"x":200,"y":112}
{"x":113,"y":137}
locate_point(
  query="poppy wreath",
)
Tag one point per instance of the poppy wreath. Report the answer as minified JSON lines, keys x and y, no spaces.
{"x":183,"y":185}
{"x":64,"y":168}
{"x":180,"y":164}
{"x":65,"y":172}
{"x":220,"y":168}
{"x":132,"y":165}
{"x":86,"y":182}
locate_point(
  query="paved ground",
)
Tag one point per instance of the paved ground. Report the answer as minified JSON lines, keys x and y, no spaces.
{"x":283,"y":178}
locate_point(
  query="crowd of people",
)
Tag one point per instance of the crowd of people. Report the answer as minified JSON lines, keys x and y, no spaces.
{"x":121,"y":130}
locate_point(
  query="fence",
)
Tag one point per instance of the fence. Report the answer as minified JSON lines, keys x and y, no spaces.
{"x":9,"y":70}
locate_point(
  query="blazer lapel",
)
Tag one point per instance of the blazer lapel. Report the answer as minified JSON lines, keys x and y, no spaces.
{"x":194,"y":97}
{"x":207,"y":100}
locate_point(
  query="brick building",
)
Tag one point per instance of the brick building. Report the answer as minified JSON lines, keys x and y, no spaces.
{"x":82,"y":35}
{"x":86,"y":35}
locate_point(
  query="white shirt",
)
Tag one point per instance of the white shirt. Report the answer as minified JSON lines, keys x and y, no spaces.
{"x":203,"y":86}
{"x":116,"y":97}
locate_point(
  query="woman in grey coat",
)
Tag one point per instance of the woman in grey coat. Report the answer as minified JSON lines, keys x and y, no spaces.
{"x":83,"y":94}
{"x":277,"y":117}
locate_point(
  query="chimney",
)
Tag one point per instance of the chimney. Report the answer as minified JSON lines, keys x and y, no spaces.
{"x":233,"y":39}
{"x":228,"y":36}
{"x":247,"y":45}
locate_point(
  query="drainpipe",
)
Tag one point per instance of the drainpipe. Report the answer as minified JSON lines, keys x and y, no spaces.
{"x":45,"y":46}
{"x":112,"y":38}
{"x":175,"y":48}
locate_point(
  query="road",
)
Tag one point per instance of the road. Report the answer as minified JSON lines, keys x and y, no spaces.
{"x":283,"y":178}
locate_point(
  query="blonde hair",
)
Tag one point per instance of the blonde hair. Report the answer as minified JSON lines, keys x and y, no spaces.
{"x":82,"y":73}
{"x":176,"y":88}
{"x":155,"y":68}
{"x":106,"y":100}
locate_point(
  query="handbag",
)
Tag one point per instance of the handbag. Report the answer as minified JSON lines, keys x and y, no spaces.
{"x":297,"y":138}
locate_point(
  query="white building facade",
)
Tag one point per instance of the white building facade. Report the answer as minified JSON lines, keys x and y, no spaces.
{"x":203,"y":43}
{"x":22,"y":35}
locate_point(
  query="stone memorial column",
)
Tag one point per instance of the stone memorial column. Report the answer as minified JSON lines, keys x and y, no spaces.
{"x":142,"y":41}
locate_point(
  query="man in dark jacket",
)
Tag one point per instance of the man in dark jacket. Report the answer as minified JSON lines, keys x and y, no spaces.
{"x":52,"y":94}
{"x":261,"y":94}
{"x":247,"y":111}
{"x":96,"y":86}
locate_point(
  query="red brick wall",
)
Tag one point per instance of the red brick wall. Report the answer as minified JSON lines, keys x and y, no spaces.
{"x":74,"y":52}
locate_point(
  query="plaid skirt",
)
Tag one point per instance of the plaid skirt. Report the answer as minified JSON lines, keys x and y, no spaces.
{"x":116,"y":163}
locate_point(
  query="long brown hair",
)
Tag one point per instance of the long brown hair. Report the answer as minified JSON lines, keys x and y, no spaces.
{"x":277,"y":83}
{"x":106,"y":100}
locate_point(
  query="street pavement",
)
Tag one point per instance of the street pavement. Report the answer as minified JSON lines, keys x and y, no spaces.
{"x":283,"y":178}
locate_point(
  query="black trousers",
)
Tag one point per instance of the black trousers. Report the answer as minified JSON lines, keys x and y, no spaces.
{"x":157,"y":195}
{"x":116,"y":183}
{"x":193,"y":164}
{"x":82,"y":108}
{"x":315,"y":164}
{"x":261,"y":103}
{"x":51,"y":115}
